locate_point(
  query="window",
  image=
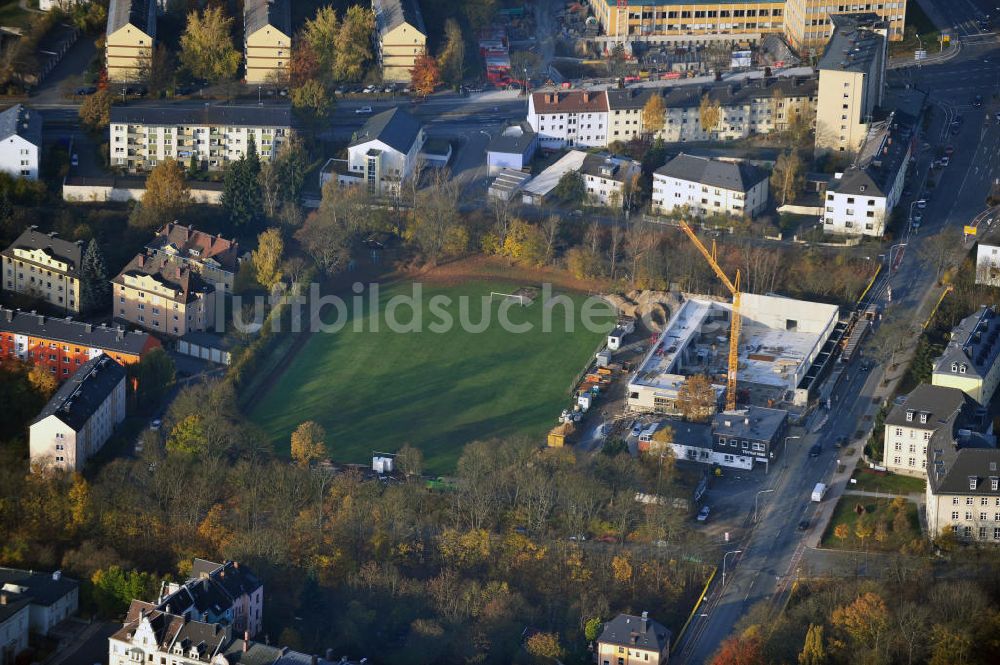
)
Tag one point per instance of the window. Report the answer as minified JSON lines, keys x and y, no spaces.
{"x":954,"y":514}
{"x":968,"y":500}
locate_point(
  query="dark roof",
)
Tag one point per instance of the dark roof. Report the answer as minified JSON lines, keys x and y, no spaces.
{"x":135,"y":12}
{"x":695,"y":435}
{"x":513,"y":139}
{"x":734,"y":176}
{"x":636,"y":632}
{"x":974,"y":345}
{"x":270,"y":115}
{"x":389,"y":14}
{"x":394,"y":127}
{"x":166,"y":272}
{"x":212,"y":589}
{"x":854,"y":43}
{"x":259,"y":14}
{"x":607,"y":167}
{"x":726,"y":94}
{"x":77,"y":399}
{"x":196,"y":246}
{"x":15,"y":603}
{"x":20,"y":120}
{"x":881,"y":157}
{"x":951,"y":466}
{"x":68,"y":331}
{"x":940,"y":404}
{"x":70,"y":252}
{"x":573,"y":101}
{"x":42,"y":588}
{"x":757,"y":423}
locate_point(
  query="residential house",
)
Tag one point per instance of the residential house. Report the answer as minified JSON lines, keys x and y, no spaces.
{"x":220,"y":593}
{"x":155,"y":293}
{"x":20,"y":141}
{"x":630,"y":640}
{"x":756,"y":432}
{"x":382,"y":154}
{"x":860,"y":200}
{"x":80,"y":417}
{"x":267,"y":40}
{"x":569,"y":118}
{"x":513,"y":149}
{"x":52,"y":597}
{"x":44,"y":266}
{"x":969,"y":362}
{"x":988,"y":259}
{"x":609,"y":180}
{"x":912,"y":423}
{"x":400,"y":37}
{"x":703,"y":186}
{"x":130,"y":39}
{"x":14,"y":612}
{"x":215,"y":259}
{"x":963,"y":488}
{"x":211,"y":136}
{"x":64,"y":345}
{"x":851,"y":81}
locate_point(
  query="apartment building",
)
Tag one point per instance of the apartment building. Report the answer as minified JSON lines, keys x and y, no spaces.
{"x":963,"y":490}
{"x":80,"y":417}
{"x":155,"y":293}
{"x":46,"y":267}
{"x":602,"y":118}
{"x":63,"y":345}
{"x":851,"y":82}
{"x":20,"y":142}
{"x":267,"y":40}
{"x":568,"y":119}
{"x":381,"y":155}
{"x":630,"y":640}
{"x":400,"y":37}
{"x":226,"y":593}
{"x":212,"y":136}
{"x":988,"y":259}
{"x":214,"y":258}
{"x":703,"y":186}
{"x":810,"y":23}
{"x":52,"y":597}
{"x":970,"y":361}
{"x":608,"y":180}
{"x":130,"y":38}
{"x":13,"y":626}
{"x":860,"y":200}
{"x":912,"y":424}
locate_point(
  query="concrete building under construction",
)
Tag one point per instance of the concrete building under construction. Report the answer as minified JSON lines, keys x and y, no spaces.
{"x":780,"y":340}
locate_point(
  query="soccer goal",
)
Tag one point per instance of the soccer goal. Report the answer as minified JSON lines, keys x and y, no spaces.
{"x":521,"y":299}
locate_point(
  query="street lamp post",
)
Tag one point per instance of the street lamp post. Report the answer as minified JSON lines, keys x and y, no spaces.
{"x":724,"y":565}
{"x":755,"y":499}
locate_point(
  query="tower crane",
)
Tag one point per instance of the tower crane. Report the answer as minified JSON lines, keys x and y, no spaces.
{"x":734,"y":326}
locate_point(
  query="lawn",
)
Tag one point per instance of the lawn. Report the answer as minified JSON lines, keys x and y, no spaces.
{"x":889,"y":483}
{"x":894,"y":525}
{"x":376,"y":390}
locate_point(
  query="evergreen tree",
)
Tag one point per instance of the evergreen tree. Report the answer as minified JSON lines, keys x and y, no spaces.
{"x":94,"y":279}
{"x":241,"y":195}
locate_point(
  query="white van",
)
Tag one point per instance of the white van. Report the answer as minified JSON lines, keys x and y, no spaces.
{"x":819,"y":492}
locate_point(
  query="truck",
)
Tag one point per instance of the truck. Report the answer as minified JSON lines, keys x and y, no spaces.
{"x":819,"y":492}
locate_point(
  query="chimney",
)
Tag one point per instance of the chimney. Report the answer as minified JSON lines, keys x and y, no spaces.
{"x":9,"y":315}
{"x":3,"y":599}
{"x":87,"y":327}
{"x":41,"y":319}
{"x":586,"y":96}
{"x":645,"y":621}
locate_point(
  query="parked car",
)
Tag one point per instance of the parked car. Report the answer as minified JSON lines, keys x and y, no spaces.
{"x":155,"y":425}
{"x":945,"y":161}
{"x":977,"y":101}
{"x":363,"y":110}
{"x":637,"y":429}
{"x":803,"y":525}
{"x":86,"y":90}
{"x":703,"y":513}
{"x":841,"y":441}
{"x":74,"y":160}
{"x":921,"y":204}
{"x":815,"y":450}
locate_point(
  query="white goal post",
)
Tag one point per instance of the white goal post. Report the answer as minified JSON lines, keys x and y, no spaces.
{"x":521,"y":300}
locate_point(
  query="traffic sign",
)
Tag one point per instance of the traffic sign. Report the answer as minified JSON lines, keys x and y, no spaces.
{"x":970,"y":230}
{"x":920,"y":54}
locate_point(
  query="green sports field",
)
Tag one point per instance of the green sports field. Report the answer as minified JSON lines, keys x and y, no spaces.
{"x":434,"y":390}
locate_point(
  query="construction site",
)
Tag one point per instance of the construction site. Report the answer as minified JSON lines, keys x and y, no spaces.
{"x":780,"y":339}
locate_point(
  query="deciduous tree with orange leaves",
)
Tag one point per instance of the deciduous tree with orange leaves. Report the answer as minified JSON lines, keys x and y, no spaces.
{"x":425,"y":75}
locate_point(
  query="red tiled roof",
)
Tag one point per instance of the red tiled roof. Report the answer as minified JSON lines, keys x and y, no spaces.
{"x":574,"y":101}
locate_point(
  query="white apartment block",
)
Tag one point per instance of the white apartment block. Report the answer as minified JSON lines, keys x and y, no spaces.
{"x":20,"y":142}
{"x":80,"y":417}
{"x":860,"y":200}
{"x":212,"y":136}
{"x":608,"y":180}
{"x":988,"y":260}
{"x":703,"y":187}
{"x":568,"y":119}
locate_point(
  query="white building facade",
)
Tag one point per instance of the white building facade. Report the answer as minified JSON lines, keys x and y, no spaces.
{"x":20,"y":142}
{"x":569,"y":119}
{"x":704,"y":187}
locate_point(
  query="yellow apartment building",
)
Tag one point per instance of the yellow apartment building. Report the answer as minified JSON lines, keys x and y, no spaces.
{"x":43,"y":266}
{"x":131,"y":35}
{"x":267,"y":26}
{"x":400,"y":37}
{"x":157,"y":294}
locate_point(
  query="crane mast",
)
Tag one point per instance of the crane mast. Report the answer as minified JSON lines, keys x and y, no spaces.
{"x":735,"y":322}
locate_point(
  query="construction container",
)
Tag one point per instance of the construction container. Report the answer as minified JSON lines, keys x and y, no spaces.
{"x":561,"y":435}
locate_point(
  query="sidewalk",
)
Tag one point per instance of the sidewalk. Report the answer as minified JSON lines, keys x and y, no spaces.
{"x":916,"y":497}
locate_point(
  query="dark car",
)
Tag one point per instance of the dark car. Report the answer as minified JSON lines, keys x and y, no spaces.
{"x":88,"y":90}
{"x":977,"y":102}
{"x":803,"y":525}
{"x":815,"y":450}
{"x":841,"y":441}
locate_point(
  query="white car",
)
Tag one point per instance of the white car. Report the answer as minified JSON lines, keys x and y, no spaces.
{"x":637,"y":429}
{"x":921,"y":204}
{"x":364,"y":110}
{"x":944,"y":161}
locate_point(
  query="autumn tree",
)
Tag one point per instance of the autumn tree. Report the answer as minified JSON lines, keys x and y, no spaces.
{"x":709,"y":114}
{"x":425,"y":75}
{"x":813,"y":651}
{"x":696,"y":398}
{"x":167,"y":196}
{"x":451,"y":60}
{"x":525,"y":243}
{"x":267,"y":258}
{"x":330,"y":233}
{"x":354,"y":43}
{"x":787,"y":176}
{"x":654,"y":114}
{"x":741,"y":650}
{"x":43,"y":381}
{"x":320,"y":36}
{"x":865,"y":620}
{"x":188,"y":437}
{"x":544,"y":646}
{"x":410,"y":460}
{"x":435,"y":226}
{"x":308,"y":443}
{"x":312,"y":98}
{"x":207,"y":46}
{"x":842,"y":532}
{"x":95,"y":111}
